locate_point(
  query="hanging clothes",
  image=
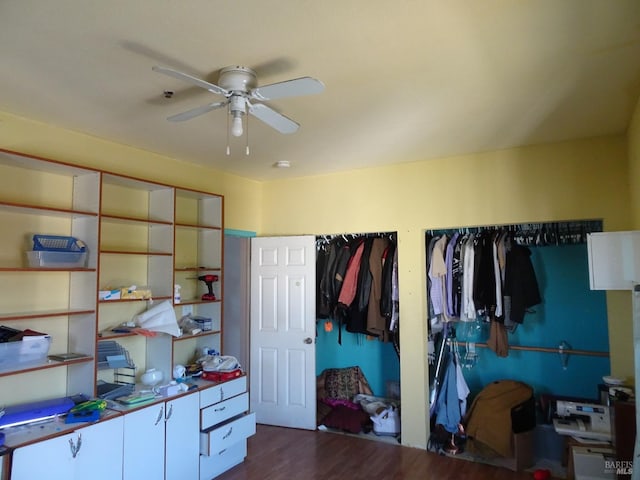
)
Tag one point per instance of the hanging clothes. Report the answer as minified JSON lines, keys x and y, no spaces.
{"x":468,"y":306}
{"x":484,"y":288}
{"x":449,"y":263}
{"x":376,"y":321}
{"x":437,"y":275}
{"x":355,"y":283}
{"x":451,"y":404}
{"x":520,"y":283}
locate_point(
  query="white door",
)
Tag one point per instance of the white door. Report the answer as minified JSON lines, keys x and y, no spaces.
{"x":283,"y":356}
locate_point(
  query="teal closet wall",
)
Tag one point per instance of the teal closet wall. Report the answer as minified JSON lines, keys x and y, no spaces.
{"x":377,"y":360}
{"x":569,"y":311}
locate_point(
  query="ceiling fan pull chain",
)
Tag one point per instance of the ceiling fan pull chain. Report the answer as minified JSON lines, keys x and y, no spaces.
{"x":228,"y":113}
{"x":246,"y":127}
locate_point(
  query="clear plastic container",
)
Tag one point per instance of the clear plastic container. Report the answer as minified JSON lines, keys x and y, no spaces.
{"x":27,"y":351}
{"x":45,"y":259}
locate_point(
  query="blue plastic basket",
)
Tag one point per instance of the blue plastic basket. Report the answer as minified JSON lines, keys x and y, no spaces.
{"x":58,"y":243}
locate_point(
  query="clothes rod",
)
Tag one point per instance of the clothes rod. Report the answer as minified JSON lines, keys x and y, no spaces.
{"x":568,"y":351}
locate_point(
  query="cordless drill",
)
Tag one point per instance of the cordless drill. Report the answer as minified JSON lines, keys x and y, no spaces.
{"x":208,"y":280}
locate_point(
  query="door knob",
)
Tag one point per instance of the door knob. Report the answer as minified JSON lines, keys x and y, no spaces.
{"x":308,"y":341}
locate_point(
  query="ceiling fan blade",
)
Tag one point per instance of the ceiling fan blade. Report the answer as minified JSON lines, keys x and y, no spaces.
{"x":194,"y":112}
{"x":288,"y":88}
{"x":273,"y":119}
{"x":190,"y":79}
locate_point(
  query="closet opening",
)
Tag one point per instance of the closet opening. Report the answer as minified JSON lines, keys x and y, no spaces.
{"x":512,"y":303}
{"x":357,"y":335}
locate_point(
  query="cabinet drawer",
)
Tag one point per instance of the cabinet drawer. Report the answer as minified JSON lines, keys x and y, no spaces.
{"x":222,"y":411}
{"x":211,"y":467}
{"x":217,"y":439}
{"x":222,"y":391}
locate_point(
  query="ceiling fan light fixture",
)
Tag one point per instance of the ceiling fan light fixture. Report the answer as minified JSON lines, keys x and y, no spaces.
{"x":236,"y":125}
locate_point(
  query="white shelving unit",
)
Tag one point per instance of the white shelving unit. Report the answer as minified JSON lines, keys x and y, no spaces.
{"x":140,"y":233}
{"x":45,"y":197}
{"x":137,"y":232}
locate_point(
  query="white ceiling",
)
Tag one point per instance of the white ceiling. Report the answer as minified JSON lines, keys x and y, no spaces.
{"x":405,"y":80}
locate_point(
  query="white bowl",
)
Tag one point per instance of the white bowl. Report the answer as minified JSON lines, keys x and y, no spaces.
{"x":613,"y":380}
{"x":151,"y":377}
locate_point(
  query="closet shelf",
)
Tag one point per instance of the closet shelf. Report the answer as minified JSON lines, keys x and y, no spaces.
{"x":567,"y":232}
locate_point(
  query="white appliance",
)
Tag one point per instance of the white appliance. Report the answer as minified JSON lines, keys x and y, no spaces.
{"x":584,"y":420}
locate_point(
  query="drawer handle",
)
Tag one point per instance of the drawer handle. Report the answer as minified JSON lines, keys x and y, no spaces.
{"x":228,"y":434}
{"x":222,"y":451}
{"x":219,"y":409}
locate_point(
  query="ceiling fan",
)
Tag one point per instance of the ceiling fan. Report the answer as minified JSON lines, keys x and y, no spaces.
{"x":240,"y":88}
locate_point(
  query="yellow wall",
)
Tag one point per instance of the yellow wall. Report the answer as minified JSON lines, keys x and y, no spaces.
{"x":242,"y":196}
{"x":573,"y":180}
{"x":634,"y":165}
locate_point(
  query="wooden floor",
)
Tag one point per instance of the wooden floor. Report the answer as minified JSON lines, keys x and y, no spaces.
{"x":277,"y":453}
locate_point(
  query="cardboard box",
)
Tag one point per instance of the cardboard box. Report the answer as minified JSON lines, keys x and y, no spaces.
{"x":590,"y":463}
{"x":138,"y":293}
{"x":109,"y":294}
{"x":522,"y":453}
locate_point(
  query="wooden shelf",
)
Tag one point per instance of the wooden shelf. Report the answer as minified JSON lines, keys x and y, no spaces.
{"x":43,"y":314}
{"x":196,"y":301}
{"x":125,"y":300}
{"x":129,"y":252}
{"x":45,"y":269}
{"x":201,"y":334}
{"x":44,"y":210}
{"x":42,"y":366}
{"x":126,"y":219}
{"x":197,"y":226}
{"x":198,"y":269}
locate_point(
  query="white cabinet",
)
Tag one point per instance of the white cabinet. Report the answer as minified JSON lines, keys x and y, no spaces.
{"x":144,"y":443}
{"x":161,"y":440}
{"x":225,"y":426}
{"x":181,"y":438}
{"x":94,"y":451}
{"x":614,"y":260}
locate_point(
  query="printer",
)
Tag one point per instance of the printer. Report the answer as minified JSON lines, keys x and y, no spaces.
{"x":584,"y":420}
